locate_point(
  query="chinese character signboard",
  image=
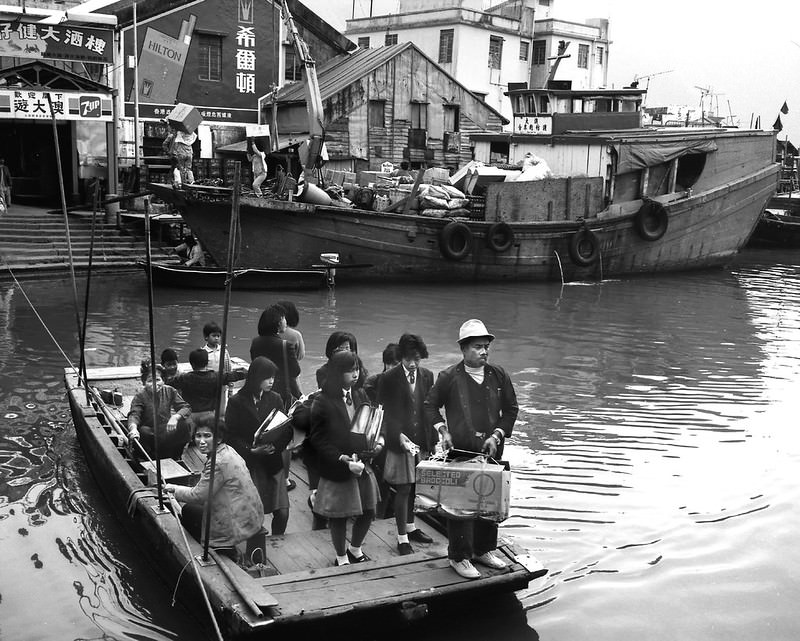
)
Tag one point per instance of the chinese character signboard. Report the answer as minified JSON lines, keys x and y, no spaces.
{"x":536,"y":125}
{"x":33,"y":105}
{"x":20,"y":39}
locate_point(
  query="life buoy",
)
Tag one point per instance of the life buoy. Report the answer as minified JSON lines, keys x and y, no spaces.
{"x":455,"y":241}
{"x":584,"y":247}
{"x":652,"y":220}
{"x":500,"y":237}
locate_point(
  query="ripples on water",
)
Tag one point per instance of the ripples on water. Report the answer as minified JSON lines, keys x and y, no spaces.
{"x":654,"y":460}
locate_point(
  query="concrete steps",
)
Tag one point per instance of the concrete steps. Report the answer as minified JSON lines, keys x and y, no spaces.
{"x":33,"y":242}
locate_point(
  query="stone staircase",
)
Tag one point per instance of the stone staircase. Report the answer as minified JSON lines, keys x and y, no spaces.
{"x":33,"y":242}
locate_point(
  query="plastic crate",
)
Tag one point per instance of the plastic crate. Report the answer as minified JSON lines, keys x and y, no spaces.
{"x":477,"y":207}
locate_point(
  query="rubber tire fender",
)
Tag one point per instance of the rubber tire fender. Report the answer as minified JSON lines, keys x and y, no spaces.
{"x":455,"y":241}
{"x":584,"y":247}
{"x":651,"y":221}
{"x":506,"y":237}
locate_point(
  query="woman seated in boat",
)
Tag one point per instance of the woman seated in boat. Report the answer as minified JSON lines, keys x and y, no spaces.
{"x":347,"y":485}
{"x":171,"y":427}
{"x":235,"y":511}
{"x":246,"y":411}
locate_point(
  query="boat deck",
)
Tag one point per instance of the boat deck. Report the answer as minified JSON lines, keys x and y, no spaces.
{"x":298,"y":582}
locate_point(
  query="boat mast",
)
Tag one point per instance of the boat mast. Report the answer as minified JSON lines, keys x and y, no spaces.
{"x":233,"y":234}
{"x":82,"y":367}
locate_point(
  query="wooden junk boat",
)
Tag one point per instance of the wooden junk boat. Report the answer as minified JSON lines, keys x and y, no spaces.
{"x":299,"y":587}
{"x":622,"y":200}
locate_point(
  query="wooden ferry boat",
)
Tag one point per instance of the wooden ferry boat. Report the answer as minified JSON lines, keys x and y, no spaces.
{"x":622,"y":200}
{"x":297,"y":585}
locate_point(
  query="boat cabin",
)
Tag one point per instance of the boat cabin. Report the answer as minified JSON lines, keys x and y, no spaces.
{"x":559,"y":108}
{"x":598,"y":154}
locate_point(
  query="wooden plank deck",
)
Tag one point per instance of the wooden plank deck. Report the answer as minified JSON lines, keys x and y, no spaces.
{"x":299,"y":570}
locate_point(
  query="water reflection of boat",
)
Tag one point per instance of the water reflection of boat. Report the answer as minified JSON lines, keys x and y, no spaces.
{"x":295,"y":585}
{"x":623,"y":200}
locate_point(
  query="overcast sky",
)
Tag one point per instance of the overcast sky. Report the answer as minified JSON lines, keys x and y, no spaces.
{"x":747,"y":53}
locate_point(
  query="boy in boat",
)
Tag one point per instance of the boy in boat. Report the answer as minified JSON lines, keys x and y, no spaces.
{"x":199,"y":386}
{"x":169,"y":365}
{"x":212,"y":333}
{"x":410,"y":437}
{"x":171,"y":424}
{"x":481,"y":407}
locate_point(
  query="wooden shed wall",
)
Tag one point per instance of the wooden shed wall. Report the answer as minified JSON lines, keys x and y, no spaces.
{"x":406,"y":78}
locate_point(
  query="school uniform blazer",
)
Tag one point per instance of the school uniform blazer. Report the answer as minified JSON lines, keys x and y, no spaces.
{"x":330,"y":433}
{"x":272,"y":348}
{"x":243,"y":417}
{"x":451,"y":391}
{"x":394,"y":393}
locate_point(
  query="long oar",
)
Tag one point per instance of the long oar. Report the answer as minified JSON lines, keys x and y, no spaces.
{"x":232,"y":235}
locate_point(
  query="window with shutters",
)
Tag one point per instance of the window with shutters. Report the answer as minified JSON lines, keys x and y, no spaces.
{"x":419,"y":115}
{"x":524,"y":49}
{"x":390,"y":39}
{"x":377,"y":110}
{"x":446,"y":45}
{"x":210,"y":57}
{"x":495,"y":52}
{"x":583,"y":56}
{"x":452,"y":115}
{"x":363,"y":42}
{"x":600,"y":55}
{"x":539,"y":52}
{"x":294,"y":70}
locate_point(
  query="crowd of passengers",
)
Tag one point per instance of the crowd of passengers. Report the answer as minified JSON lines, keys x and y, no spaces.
{"x":251,"y":478}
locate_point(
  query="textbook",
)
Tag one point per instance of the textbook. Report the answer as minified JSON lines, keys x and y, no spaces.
{"x":270,"y":429}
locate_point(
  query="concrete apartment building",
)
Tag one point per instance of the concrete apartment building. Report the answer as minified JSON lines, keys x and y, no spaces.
{"x":487,"y":45}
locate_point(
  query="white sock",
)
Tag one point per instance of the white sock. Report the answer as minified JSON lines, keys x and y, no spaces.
{"x":402,"y":538}
{"x":410,"y":527}
{"x":342,"y":560}
{"x":356,"y":551}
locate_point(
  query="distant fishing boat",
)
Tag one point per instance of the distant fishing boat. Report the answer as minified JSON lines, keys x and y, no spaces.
{"x":296,"y":585}
{"x":620,"y":200}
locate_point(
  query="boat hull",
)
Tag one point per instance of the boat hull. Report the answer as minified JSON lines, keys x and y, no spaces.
{"x":777,"y":228}
{"x":244,"y":279}
{"x":705,"y":229}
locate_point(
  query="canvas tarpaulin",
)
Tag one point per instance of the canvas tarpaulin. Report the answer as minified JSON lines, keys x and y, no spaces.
{"x":634,"y":156}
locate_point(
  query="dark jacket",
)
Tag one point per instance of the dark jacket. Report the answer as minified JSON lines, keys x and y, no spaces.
{"x":243,"y":417}
{"x":169,"y":401}
{"x":451,"y":392}
{"x":272,"y":348}
{"x":394,"y":393}
{"x":330,"y":433}
{"x":199,"y":389}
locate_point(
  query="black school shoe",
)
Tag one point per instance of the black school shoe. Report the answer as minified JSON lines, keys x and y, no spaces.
{"x":419,"y":536}
{"x":404,"y":549}
{"x":353,"y":558}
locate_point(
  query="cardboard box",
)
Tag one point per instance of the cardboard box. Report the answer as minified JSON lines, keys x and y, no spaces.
{"x":466,"y":489}
{"x":184,"y":117}
{"x":171,"y":472}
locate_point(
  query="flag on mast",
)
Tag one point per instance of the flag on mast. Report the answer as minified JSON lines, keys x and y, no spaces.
{"x":777,"y":125}
{"x":785,"y":108}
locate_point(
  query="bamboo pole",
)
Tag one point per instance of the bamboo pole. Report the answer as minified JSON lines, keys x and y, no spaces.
{"x":232,"y":235}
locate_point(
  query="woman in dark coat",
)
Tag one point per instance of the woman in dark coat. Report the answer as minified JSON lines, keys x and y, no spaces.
{"x":269,"y":343}
{"x":246,"y":410}
{"x":347,"y":486}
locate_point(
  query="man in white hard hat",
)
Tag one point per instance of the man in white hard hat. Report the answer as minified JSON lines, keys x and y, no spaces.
{"x":481,"y":408}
